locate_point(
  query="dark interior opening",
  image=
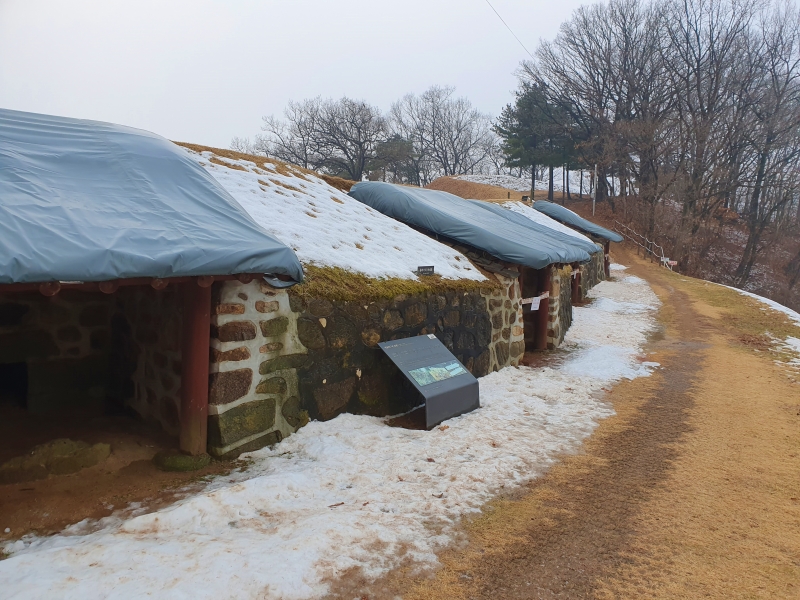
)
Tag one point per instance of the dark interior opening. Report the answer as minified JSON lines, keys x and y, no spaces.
{"x":14,"y":384}
{"x":121,"y":367}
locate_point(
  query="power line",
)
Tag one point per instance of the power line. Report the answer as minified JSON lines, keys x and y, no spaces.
{"x":509,"y":28}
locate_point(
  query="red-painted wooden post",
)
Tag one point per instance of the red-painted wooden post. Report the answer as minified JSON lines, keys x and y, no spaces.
{"x":194,"y":367}
{"x":545,"y":281}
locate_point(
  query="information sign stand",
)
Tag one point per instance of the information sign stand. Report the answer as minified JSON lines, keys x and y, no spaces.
{"x":445,"y":384}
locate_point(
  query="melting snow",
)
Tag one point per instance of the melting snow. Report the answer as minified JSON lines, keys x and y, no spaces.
{"x":326,"y":227}
{"x":790,"y":344}
{"x":351,"y":492}
{"x":793,"y":315}
{"x":524,"y":185}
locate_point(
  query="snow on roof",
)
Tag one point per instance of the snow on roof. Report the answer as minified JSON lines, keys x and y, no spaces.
{"x":326,"y":227}
{"x":543,"y":219}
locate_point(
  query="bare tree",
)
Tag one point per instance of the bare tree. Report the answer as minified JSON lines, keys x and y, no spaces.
{"x":774,"y":134}
{"x":574,"y":70}
{"x":244,"y":145}
{"x":707,"y":42}
{"x":449,"y":136}
{"x":347,"y":135}
{"x":335,"y":136}
{"x":295,"y":138}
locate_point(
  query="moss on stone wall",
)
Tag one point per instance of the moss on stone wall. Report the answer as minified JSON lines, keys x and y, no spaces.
{"x":333,"y":283}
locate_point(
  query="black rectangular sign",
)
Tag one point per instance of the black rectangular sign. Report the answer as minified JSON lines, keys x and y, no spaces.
{"x":424,"y":270}
{"x":448,"y":388}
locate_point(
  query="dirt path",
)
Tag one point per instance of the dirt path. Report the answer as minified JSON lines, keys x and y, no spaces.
{"x":691,"y":490}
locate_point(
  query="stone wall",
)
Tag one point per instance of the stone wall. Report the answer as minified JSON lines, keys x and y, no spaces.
{"x":89,"y":353}
{"x":559,"y":316}
{"x":148,"y":337}
{"x":592,"y":273}
{"x":64,"y":341}
{"x":280,"y":359}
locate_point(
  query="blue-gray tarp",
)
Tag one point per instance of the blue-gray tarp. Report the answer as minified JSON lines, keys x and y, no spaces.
{"x":90,"y":201}
{"x":460,"y":220}
{"x":540,"y":231}
{"x":567,"y":217}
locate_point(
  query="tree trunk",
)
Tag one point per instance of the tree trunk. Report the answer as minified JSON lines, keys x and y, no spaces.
{"x":550,"y":186}
{"x":754,"y":229}
{"x":581,"y":185}
{"x":568,"y":196}
{"x":533,"y":181}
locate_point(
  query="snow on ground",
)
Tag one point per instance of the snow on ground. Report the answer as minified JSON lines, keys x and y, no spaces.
{"x":351,"y":492}
{"x":541,"y":218}
{"x":326,"y":227}
{"x":521,"y":184}
{"x":790,"y":344}
{"x":793,"y":315}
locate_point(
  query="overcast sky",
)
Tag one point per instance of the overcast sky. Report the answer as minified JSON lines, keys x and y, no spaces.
{"x":204,"y":71}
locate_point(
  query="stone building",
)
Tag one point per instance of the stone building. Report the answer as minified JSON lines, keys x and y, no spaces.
{"x":110,"y":240}
{"x":280,"y":357}
{"x":539,"y":258}
{"x":141,"y":276}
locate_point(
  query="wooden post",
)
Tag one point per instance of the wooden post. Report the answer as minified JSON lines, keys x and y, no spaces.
{"x":545,"y":285}
{"x":194,"y":367}
{"x":607,"y":259}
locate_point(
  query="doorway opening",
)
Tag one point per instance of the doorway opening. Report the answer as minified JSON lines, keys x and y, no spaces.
{"x":14,"y":384}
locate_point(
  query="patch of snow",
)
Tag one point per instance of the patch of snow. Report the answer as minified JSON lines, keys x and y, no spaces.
{"x":518,"y":184}
{"x":617,"y":267}
{"x":541,"y":218}
{"x":607,"y":336}
{"x":632,"y":279}
{"x":326,"y":227}
{"x":793,"y":344}
{"x":351,"y":492}
{"x":793,"y":315}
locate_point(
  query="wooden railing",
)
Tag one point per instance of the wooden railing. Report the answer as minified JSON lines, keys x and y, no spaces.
{"x":650,"y":248}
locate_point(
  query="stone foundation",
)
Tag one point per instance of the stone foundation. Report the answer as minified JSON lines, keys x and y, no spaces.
{"x":559,"y":316}
{"x":279,"y":359}
{"x":592,"y":273}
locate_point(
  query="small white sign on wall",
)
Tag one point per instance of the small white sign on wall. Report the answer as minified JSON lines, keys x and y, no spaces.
{"x":534,"y":302}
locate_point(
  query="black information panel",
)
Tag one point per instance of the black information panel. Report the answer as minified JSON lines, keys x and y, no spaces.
{"x":448,"y":388}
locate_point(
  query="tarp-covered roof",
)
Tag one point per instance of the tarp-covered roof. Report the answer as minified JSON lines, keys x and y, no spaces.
{"x":463,"y":221}
{"x":541,"y":230}
{"x":567,"y":217}
{"x":90,"y":201}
